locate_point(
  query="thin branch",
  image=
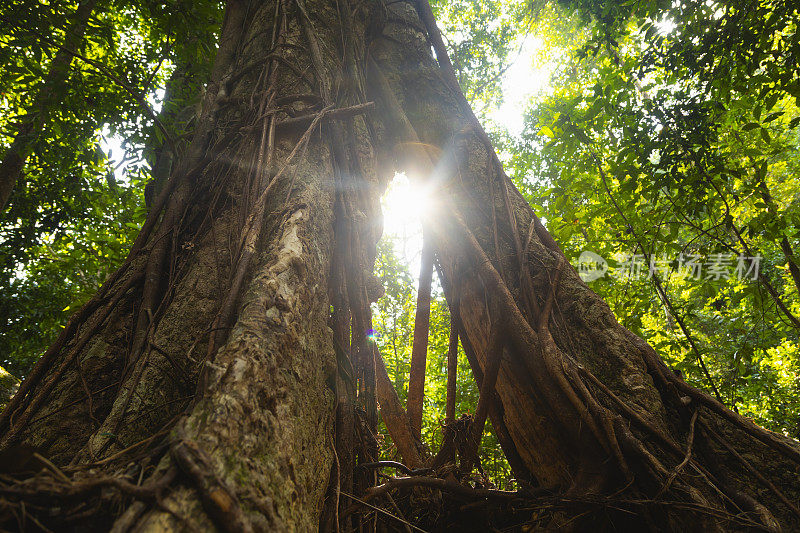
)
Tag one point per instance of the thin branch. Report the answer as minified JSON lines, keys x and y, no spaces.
{"x":447,"y":486}
{"x":396,"y":465}
{"x":657,"y":282}
{"x":384,"y":511}
{"x":686,"y":458}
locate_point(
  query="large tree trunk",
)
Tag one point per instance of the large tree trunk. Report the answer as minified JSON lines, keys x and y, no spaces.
{"x":225,"y":367}
{"x":590,"y":407}
{"x":214,"y":331}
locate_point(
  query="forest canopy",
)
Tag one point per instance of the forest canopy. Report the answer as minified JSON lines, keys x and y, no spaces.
{"x":654,"y":135}
{"x":657,"y":141}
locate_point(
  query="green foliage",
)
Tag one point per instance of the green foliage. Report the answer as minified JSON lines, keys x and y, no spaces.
{"x":670,"y":131}
{"x":394,"y":323}
{"x":71,"y":217}
{"x":481,"y":36}
{"x":8,"y":386}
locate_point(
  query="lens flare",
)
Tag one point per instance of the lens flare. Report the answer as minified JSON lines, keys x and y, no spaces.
{"x":404,"y":205}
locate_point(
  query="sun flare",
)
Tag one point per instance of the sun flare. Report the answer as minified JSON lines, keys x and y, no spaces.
{"x":404,"y":204}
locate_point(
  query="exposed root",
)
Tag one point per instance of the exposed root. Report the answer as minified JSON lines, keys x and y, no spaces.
{"x":219,"y":501}
{"x":433,"y":504}
{"x":53,"y":501}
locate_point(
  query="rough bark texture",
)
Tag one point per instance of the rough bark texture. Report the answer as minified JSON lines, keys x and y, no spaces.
{"x":256,"y":185}
{"x":583,"y":398}
{"x":222,"y":378}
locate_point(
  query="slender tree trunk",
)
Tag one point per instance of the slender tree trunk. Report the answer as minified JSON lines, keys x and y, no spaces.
{"x":452,"y":373}
{"x":419,"y":347}
{"x":36,"y":118}
{"x":223,"y":377}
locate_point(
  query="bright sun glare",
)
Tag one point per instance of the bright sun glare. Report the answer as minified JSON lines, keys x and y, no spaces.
{"x":404,"y":205}
{"x":405,"y":201}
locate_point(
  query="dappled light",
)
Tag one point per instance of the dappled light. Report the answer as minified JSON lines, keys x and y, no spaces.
{"x":575,"y":307}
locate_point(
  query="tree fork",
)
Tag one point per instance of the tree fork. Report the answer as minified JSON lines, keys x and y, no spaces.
{"x":404,"y":135}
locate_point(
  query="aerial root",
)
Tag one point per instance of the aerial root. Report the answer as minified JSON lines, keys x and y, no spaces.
{"x":686,"y":459}
{"x":750,"y":468}
{"x":426,"y":503}
{"x":53,"y":499}
{"x":27,"y":400}
{"x":609,"y":427}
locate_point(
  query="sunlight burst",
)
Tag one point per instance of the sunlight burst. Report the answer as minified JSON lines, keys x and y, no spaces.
{"x":404,"y":205}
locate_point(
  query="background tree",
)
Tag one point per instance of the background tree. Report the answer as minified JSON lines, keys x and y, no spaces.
{"x":76,"y":211}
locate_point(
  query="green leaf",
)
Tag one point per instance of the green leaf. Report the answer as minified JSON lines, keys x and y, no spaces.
{"x":771,"y":101}
{"x":762,"y":171}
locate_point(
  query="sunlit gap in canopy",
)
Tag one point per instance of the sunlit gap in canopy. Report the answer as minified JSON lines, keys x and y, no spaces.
{"x":404,"y":204}
{"x":114,"y":145}
{"x":527,"y":77}
{"x":527,"y":74}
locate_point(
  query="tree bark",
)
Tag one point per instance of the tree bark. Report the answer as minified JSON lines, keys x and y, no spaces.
{"x":249,"y":423}
{"x":419,"y":347}
{"x":223,"y":378}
